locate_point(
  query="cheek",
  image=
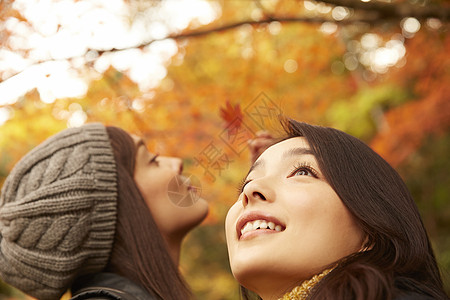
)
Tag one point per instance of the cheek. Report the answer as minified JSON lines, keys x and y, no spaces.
{"x":151,"y":185}
{"x":230,"y":221}
{"x":334,"y":232}
{"x":230,"y":230}
{"x":324,"y":223}
{"x":154,"y":191}
{"x":303,"y":206}
{"x":151,"y":192}
{"x":344,"y":226}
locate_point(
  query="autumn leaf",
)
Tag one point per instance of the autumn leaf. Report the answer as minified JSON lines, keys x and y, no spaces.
{"x":232,"y":115}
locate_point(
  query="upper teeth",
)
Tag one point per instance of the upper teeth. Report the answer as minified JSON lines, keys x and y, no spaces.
{"x":260,"y":224}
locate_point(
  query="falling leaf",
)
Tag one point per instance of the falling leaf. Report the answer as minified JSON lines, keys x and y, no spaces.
{"x":232,"y":115}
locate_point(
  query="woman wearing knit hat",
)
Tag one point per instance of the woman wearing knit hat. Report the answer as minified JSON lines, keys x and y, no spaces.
{"x":89,"y":210}
{"x":322,"y":216}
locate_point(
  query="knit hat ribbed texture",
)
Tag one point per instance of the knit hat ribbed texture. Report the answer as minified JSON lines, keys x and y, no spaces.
{"x":58,"y":210}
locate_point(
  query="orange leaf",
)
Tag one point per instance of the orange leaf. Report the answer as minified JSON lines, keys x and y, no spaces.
{"x":232,"y":115}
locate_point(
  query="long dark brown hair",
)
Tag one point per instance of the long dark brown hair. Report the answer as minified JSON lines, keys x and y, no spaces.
{"x":139,"y":251}
{"x":399,"y":258}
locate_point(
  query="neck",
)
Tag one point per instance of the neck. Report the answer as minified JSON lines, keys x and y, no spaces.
{"x":174,"y":247}
{"x":271,"y":287}
{"x":277,"y":290}
{"x":302,"y":291}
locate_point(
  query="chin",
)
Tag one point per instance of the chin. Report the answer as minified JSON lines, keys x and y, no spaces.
{"x":197,"y":212}
{"x":246,"y":268}
{"x":203,"y":208}
{"x":252,"y":277}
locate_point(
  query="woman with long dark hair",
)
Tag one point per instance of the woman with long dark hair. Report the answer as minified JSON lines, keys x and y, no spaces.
{"x":89,"y":210}
{"x":322,"y":216}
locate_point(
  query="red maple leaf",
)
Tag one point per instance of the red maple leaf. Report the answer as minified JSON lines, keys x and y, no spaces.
{"x":232,"y":115}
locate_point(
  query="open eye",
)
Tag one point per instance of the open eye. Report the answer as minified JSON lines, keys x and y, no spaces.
{"x":304,"y":170}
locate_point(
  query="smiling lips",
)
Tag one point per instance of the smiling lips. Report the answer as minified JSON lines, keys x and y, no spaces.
{"x":254,"y":221}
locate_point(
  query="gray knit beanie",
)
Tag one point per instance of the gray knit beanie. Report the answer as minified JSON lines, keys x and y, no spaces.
{"x":58,"y":212}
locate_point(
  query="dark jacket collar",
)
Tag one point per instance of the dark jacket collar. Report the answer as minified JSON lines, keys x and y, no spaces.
{"x":110,"y":286}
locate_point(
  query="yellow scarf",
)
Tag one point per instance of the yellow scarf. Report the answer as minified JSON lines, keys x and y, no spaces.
{"x":302,"y":291}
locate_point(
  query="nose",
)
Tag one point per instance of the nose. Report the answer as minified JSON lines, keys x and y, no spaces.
{"x":256,"y":191}
{"x":177,"y":165}
{"x":174,"y":163}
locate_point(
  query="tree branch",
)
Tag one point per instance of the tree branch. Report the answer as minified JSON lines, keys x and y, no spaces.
{"x":191,"y":34}
{"x":395,"y":11}
{"x":383,"y":13}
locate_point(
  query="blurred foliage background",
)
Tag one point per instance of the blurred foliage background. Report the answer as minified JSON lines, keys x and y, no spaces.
{"x":198,"y":78}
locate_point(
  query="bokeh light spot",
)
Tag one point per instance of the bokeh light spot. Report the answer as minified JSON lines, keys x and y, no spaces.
{"x":290,"y":66}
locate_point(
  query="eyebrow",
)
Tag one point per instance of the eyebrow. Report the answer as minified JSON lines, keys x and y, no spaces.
{"x":297,"y":152}
{"x":258,"y":163}
{"x":287,"y":154}
{"x":140,"y":143}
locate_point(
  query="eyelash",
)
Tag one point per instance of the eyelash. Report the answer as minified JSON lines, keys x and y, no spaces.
{"x":296,"y":168}
{"x":153,"y":160}
{"x":304,"y":166}
{"x":241,"y":185}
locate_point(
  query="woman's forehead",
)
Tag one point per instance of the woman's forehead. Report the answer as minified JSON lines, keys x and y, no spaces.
{"x":135,"y":138}
{"x":286,"y":145}
{"x":283,"y":151}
